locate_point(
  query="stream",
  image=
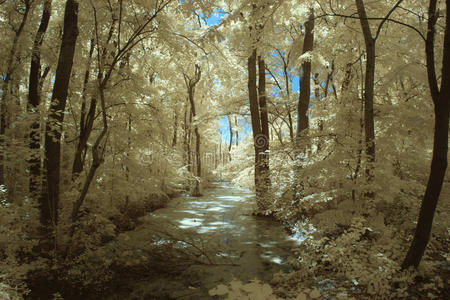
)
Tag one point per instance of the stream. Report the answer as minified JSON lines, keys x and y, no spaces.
{"x":216,"y":239}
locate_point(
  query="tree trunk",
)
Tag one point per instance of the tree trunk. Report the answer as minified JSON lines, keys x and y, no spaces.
{"x":440,"y":145}
{"x":86,"y":121}
{"x":50,"y":199}
{"x":231,"y":136}
{"x":34,"y":99}
{"x":237,"y":131}
{"x":191,"y":83}
{"x":288,"y":95}
{"x":187,"y":137}
{"x":368,"y":92}
{"x":264,"y":148}
{"x":97,"y":159}
{"x":258,"y":138}
{"x":305,"y":81}
{"x":175,"y":129}
{"x":6,"y":87}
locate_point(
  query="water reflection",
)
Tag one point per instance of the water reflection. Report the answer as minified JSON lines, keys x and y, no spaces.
{"x":251,"y":247}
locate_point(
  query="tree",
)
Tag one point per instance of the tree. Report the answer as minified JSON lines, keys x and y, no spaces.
{"x":305,"y":80}
{"x":441,"y":101}
{"x":259,"y":115}
{"x":50,"y":197}
{"x":34,"y":98}
{"x":9,"y":79}
{"x":191,"y":82}
{"x":369,"y":84}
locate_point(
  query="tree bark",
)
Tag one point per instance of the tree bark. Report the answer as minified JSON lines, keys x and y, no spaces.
{"x":34,"y":99}
{"x":258,"y":138}
{"x":237,"y":131}
{"x":369,"y":83}
{"x":231,"y":136}
{"x":97,"y":159}
{"x":175,"y":129}
{"x":86,"y":121}
{"x":264,"y":148}
{"x":191,"y":83}
{"x":50,"y":198}
{"x":440,"y":144}
{"x":305,"y":81}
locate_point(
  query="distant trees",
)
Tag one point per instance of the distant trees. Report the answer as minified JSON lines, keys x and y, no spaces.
{"x":21,"y":11}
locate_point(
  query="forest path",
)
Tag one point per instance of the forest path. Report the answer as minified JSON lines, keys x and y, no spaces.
{"x":205,"y":241}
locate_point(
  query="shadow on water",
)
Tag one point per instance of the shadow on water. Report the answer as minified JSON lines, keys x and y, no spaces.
{"x":227,"y":243}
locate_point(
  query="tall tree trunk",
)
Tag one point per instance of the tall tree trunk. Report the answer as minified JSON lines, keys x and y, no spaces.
{"x":439,"y":162}
{"x":231,"y":136}
{"x":186,"y":129}
{"x":288,"y":95}
{"x":305,"y":81}
{"x":175,"y":129}
{"x":369,"y":83}
{"x":237,"y":131}
{"x":98,"y":151}
{"x":303,"y":103}
{"x":127,"y":154}
{"x":86,"y":120}
{"x":6,"y":87}
{"x":50,"y":199}
{"x":264,"y":150}
{"x":34,"y":99}
{"x":258,"y":138}
{"x":191,"y":83}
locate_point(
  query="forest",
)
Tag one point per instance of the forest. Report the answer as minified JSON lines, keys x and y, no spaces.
{"x":224,"y":149}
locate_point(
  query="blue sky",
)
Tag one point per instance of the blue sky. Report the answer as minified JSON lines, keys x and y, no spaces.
{"x":215,"y":18}
{"x":224,"y":129}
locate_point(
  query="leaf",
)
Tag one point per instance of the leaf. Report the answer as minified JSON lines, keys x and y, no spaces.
{"x":314,"y":294}
{"x":301,"y":296}
{"x":220,"y":290}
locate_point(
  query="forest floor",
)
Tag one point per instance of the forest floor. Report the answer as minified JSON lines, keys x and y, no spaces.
{"x":196,"y":243}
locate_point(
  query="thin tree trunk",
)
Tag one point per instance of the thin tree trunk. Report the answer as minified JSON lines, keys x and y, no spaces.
{"x":237,"y":131}
{"x":264,"y":151}
{"x":369,"y":84}
{"x":127,"y":168}
{"x":185,"y":134}
{"x":440,"y":144}
{"x":288,"y":95}
{"x":191,"y":83}
{"x":188,"y":142}
{"x":231,"y":136}
{"x":50,"y":199}
{"x":86,"y":121}
{"x":97,"y":159}
{"x":34,"y":99}
{"x":175,"y":129}
{"x":305,"y":81}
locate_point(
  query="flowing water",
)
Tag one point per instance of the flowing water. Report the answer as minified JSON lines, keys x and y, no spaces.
{"x":219,"y":232}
